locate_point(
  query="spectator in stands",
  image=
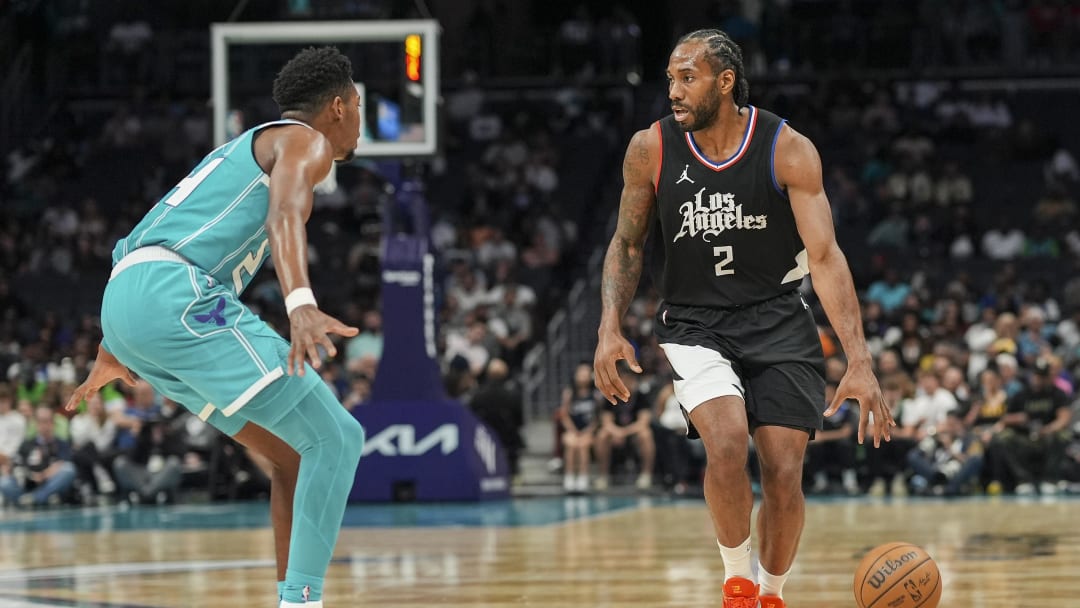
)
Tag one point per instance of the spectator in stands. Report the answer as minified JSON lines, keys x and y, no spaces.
{"x":830,"y":457}
{"x":910,"y":183}
{"x":1033,"y":340}
{"x":359,"y":392}
{"x":676,"y":455}
{"x":368,"y":344}
{"x":498,"y":404}
{"x":1009,"y":369}
{"x":93,"y":435}
{"x":25,"y":408}
{"x":891,"y":231}
{"x":910,"y":339}
{"x":459,"y":380}
{"x":1004,"y":241}
{"x":953,"y":187}
{"x":927,"y":409}
{"x":496,"y":249}
{"x":511,"y":324}
{"x":627,"y":420}
{"x":1067,"y":334}
{"x":977,"y":338}
{"x":961,"y":234}
{"x":1061,"y":171}
{"x":1028,"y":452}
{"x":43,"y":472}
{"x":885,"y":467}
{"x":1038,"y":294}
{"x":952,"y":380}
{"x":1061,"y":378}
{"x":949,"y":461}
{"x":468,"y":289}
{"x":1041,"y":243}
{"x":578,"y":417}
{"x":471,"y":345}
{"x":151,"y":469}
{"x":988,"y":407}
{"x":12,"y":429}
{"x":889,"y":364}
{"x":1007,"y":330}
{"x":889,"y":291}
{"x":128,"y":418}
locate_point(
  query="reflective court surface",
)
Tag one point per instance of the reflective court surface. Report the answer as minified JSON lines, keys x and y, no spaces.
{"x":581,"y":552}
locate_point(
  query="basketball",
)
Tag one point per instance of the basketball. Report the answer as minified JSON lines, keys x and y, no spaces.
{"x":897,"y":575}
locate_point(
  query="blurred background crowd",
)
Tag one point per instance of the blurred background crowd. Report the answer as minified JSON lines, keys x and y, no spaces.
{"x":949,"y":158}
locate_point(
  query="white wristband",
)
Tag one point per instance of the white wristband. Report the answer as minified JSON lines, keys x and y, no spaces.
{"x":301,"y":296}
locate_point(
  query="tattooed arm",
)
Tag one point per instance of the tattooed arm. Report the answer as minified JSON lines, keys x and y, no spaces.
{"x":622,"y":265}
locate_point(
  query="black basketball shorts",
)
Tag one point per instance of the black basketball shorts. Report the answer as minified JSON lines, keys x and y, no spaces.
{"x":768,"y":353}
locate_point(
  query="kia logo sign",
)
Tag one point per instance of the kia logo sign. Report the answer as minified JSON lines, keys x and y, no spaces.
{"x":400,"y":440}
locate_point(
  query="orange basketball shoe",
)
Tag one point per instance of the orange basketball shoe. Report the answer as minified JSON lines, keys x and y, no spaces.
{"x":771,"y":601}
{"x":740,"y":593}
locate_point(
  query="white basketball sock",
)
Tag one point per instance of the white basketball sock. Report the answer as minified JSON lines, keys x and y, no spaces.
{"x":285,"y":604}
{"x":737,"y":560}
{"x":771,"y":584}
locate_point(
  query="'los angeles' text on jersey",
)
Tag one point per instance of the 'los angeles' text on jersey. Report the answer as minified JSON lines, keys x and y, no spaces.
{"x":729,"y":235}
{"x":712,"y":215}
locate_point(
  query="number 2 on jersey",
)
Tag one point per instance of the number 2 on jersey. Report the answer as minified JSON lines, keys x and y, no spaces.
{"x":726,"y":256}
{"x":189,"y":183}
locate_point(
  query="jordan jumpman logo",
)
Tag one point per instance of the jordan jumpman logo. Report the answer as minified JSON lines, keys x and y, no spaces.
{"x":684,"y":177}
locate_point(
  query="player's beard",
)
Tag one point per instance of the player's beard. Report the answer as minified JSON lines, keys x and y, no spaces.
{"x":704,"y":114}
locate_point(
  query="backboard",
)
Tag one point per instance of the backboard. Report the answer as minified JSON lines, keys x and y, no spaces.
{"x":395,"y":65}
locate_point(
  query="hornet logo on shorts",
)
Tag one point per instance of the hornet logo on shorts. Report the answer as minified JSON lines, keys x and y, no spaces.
{"x":215,"y":316}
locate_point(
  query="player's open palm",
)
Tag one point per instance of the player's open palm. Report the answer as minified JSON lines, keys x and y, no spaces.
{"x":860,"y":384}
{"x":611,"y":347}
{"x":310,"y":328}
{"x":106,"y":369}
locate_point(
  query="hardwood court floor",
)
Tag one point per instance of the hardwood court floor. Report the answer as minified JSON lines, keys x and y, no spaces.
{"x":579,"y":552}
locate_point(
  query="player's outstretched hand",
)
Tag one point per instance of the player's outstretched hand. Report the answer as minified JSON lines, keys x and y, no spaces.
{"x":106,"y":369}
{"x":859,"y":383}
{"x":309,"y":329}
{"x":611,"y":347}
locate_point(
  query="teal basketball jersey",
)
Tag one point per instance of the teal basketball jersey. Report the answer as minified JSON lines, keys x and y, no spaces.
{"x":215,"y":217}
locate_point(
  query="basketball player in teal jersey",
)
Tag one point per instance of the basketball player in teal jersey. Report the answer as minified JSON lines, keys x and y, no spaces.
{"x":742,"y":219}
{"x":171,"y":311}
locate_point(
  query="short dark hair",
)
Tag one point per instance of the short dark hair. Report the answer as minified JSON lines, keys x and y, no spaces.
{"x":311,"y":79}
{"x":723,"y":54}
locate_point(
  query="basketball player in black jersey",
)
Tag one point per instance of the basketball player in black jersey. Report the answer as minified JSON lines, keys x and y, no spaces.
{"x":743,"y":217}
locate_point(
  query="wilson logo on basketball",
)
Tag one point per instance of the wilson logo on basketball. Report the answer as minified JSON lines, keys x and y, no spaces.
{"x":890,"y":566}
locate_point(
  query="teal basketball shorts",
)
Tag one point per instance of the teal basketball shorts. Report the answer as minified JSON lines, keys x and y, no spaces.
{"x":192,"y":339}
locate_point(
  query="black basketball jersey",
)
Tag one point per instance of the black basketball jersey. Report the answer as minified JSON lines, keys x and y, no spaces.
{"x":728,"y":232}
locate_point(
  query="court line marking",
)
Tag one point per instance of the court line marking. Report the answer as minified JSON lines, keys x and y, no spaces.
{"x":41,"y":602}
{"x":606,"y":513}
{"x":108,"y":570}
